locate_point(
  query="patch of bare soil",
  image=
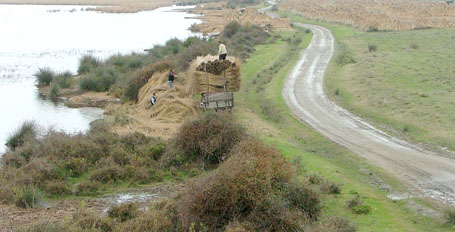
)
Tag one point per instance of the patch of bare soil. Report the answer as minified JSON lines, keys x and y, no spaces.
{"x":12,"y":218}
{"x":91,"y":99}
{"x":216,"y":16}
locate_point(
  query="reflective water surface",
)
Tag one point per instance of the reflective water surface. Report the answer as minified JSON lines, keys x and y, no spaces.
{"x":57,"y":36}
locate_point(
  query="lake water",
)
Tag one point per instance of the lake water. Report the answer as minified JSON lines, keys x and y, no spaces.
{"x":57,"y":36}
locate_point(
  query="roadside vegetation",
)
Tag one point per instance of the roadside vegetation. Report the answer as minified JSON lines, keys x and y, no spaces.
{"x":400,"y":81}
{"x":351,"y":191}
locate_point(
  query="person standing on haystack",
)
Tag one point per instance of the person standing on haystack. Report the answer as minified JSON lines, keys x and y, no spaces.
{"x":171,"y":78}
{"x":222,"y":52}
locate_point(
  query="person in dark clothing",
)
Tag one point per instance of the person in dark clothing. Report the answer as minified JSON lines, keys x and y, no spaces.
{"x":171,"y":78}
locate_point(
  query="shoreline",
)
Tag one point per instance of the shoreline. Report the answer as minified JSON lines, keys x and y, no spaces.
{"x":106,"y":6}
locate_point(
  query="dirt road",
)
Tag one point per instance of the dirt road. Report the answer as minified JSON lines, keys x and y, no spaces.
{"x":431,"y":175}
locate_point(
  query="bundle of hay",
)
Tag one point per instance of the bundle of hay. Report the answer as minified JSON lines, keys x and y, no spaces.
{"x":220,"y":76}
{"x":215,"y":67}
{"x":172,"y":105}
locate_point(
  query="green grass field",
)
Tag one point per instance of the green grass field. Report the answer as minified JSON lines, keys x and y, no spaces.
{"x":405,"y":85}
{"x":260,"y":106}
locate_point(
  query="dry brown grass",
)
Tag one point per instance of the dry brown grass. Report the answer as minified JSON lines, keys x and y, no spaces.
{"x":380,"y":15}
{"x":115,"y":6}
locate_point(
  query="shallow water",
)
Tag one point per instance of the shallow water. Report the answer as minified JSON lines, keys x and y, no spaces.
{"x":33,"y":36}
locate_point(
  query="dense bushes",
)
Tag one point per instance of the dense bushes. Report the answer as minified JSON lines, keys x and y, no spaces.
{"x":50,"y":162}
{"x":209,"y":139}
{"x":255,"y":185}
{"x":88,"y":63}
{"x":99,"y":80}
{"x":241,"y":40}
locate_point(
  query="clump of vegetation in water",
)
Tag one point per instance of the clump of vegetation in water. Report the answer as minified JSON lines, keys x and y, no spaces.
{"x":26,"y":132}
{"x":44,"y":76}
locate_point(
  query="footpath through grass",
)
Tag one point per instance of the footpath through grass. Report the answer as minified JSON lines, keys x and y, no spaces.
{"x":403,"y":82}
{"x":261,"y":108}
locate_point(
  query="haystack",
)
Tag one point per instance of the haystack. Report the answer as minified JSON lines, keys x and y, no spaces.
{"x":220,"y":75}
{"x":173,"y":104}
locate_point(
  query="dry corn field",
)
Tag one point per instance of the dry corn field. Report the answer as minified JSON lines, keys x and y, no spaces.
{"x":381,"y":15}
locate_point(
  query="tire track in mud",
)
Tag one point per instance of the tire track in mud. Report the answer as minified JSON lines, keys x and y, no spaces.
{"x":431,"y":175}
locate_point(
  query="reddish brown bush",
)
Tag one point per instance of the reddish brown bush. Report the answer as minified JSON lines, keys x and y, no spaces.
{"x":251,"y":185}
{"x":57,"y":187}
{"x":123,"y":212}
{"x":209,"y":139}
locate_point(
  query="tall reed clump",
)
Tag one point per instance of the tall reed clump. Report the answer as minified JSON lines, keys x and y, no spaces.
{"x":88,"y":63}
{"x":26,"y":132}
{"x":28,"y":197}
{"x":44,"y":76}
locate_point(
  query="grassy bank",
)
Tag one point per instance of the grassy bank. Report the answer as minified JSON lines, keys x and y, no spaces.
{"x":400,"y":81}
{"x":262,"y":109}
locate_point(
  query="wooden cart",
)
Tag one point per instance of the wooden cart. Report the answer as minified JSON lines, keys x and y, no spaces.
{"x":217,"y":101}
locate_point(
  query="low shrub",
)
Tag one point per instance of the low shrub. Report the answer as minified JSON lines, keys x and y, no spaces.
{"x":162,"y":217}
{"x":414,"y":46}
{"x":123,"y":212}
{"x":26,"y":132}
{"x":304,"y":199}
{"x":43,"y":226}
{"x":270,"y":110}
{"x":86,"y":220}
{"x":337,"y":224}
{"x":58,"y":187}
{"x":314,"y":179}
{"x":7,"y":193}
{"x":54,"y":91}
{"x":197,"y":48}
{"x":344,"y":57}
{"x":28,"y":197}
{"x":44,"y":76}
{"x":107,"y":173}
{"x":64,"y":80}
{"x":449,"y":216}
{"x":99,"y":80}
{"x":330,"y":188}
{"x":209,"y":139}
{"x":87,"y":188}
{"x":87,"y":63}
{"x":357,"y":206}
{"x":372,"y":48}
